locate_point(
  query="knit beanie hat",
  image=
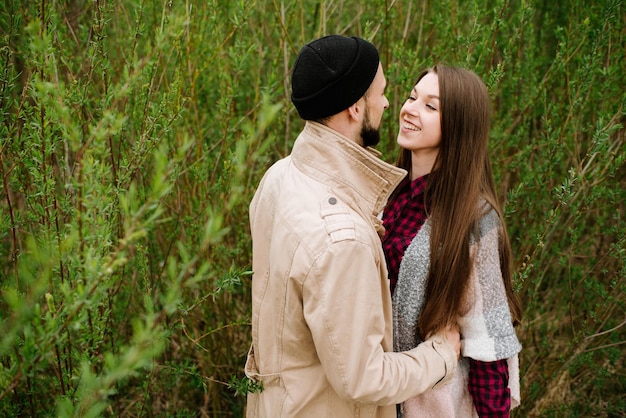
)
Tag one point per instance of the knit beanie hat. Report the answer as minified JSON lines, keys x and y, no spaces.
{"x":331,"y":74}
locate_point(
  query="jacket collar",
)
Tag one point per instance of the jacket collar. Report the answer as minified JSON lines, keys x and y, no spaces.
{"x":365,"y":180}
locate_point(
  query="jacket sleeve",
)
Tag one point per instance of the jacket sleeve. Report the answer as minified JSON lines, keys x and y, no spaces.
{"x":345,"y":311}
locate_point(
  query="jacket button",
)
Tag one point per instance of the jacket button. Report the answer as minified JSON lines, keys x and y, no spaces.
{"x":332,"y":201}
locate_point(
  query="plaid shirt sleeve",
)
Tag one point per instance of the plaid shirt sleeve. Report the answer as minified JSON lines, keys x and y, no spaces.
{"x":488,"y":384}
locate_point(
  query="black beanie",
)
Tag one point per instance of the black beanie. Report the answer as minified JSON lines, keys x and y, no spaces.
{"x":331,"y":74}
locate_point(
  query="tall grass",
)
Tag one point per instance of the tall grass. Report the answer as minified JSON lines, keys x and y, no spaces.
{"x":133,"y":135}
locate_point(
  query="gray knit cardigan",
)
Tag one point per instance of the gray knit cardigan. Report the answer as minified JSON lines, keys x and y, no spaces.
{"x":486,"y":327}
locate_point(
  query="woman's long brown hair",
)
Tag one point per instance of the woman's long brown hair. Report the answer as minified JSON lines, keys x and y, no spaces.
{"x":461,"y":176}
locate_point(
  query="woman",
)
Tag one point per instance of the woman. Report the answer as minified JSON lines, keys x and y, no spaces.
{"x":447,"y":248}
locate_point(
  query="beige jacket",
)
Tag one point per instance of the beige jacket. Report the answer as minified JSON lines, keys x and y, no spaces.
{"x":321,"y":307}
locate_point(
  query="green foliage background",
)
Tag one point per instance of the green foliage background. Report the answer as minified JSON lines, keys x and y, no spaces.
{"x":133,"y":135}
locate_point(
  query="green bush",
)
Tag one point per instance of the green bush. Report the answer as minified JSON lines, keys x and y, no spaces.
{"x":133,"y":135}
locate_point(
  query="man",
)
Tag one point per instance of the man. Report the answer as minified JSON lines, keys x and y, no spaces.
{"x":321,"y":307}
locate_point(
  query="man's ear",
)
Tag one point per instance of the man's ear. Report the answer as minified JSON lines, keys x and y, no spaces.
{"x":356,"y":110}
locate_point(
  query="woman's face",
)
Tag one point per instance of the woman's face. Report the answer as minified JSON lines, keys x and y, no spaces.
{"x":420,"y":119}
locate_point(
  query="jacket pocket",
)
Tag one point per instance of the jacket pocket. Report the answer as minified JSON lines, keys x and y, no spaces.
{"x":252,"y":371}
{"x":270,"y":401}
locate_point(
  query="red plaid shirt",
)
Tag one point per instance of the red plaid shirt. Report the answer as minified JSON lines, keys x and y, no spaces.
{"x":403,"y":217}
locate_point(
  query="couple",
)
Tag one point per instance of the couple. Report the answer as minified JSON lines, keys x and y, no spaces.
{"x":327,"y":341}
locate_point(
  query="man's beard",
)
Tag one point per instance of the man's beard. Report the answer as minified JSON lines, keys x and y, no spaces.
{"x":369,"y":135}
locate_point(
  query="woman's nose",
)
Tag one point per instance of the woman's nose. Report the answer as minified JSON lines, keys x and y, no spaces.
{"x":412,"y":108}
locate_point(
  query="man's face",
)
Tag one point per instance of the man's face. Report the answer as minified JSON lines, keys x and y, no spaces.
{"x":375,"y":105}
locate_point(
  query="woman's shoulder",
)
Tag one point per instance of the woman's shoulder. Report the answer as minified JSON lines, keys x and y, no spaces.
{"x":489,"y":219}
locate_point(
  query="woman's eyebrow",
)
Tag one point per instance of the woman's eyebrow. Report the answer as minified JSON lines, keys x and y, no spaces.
{"x":430,"y":96}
